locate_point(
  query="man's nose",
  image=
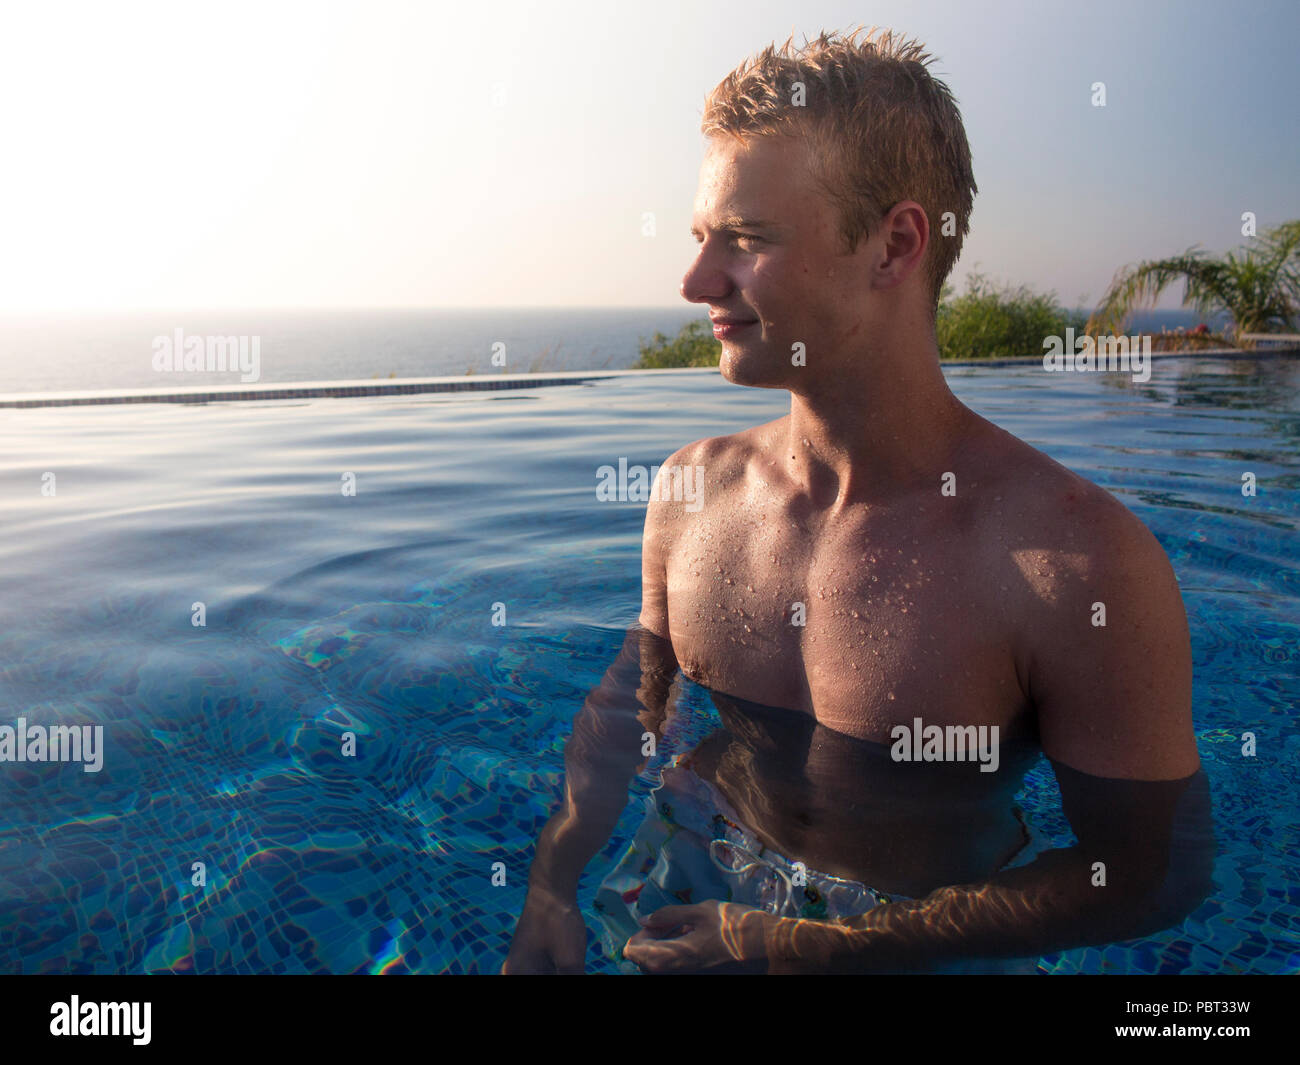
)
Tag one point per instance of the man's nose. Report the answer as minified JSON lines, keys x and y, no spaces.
{"x":704,"y":282}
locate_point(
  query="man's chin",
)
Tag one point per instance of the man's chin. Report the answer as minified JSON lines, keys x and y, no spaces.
{"x":747,"y":368}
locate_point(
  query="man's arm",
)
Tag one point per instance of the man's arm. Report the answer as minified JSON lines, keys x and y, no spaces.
{"x":604,"y":752}
{"x":602,"y":756}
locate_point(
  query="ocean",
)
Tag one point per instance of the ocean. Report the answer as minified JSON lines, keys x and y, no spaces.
{"x":105,"y":350}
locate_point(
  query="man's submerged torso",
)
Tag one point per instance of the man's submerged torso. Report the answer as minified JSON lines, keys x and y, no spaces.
{"x":844,"y":806}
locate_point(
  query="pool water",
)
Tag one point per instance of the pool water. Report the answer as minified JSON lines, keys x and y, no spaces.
{"x":329,"y":613}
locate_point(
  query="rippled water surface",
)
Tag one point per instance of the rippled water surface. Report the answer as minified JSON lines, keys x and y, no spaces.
{"x":372,"y":614}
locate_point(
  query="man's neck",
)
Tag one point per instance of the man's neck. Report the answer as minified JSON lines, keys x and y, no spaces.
{"x":888,"y":427}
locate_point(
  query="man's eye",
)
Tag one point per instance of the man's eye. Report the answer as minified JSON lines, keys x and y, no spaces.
{"x":738,"y":237}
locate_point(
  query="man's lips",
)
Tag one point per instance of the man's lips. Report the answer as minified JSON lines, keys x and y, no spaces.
{"x":726,"y":327}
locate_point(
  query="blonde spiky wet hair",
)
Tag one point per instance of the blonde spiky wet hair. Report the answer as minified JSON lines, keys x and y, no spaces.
{"x":882,"y":130}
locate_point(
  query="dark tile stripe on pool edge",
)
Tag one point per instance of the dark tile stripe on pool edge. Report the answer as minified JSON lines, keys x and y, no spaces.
{"x":335,"y":389}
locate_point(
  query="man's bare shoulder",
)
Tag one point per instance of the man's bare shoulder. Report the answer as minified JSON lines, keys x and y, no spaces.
{"x":1101,"y":640}
{"x":724,"y":460}
{"x":1074,"y":563}
{"x":1102,"y":645}
{"x":729,"y":450}
{"x":1057,"y":527}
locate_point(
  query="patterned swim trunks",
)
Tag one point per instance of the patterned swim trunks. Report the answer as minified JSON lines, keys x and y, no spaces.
{"x":692,"y":847}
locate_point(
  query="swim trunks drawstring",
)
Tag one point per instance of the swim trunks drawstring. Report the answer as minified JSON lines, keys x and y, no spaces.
{"x":783,"y":885}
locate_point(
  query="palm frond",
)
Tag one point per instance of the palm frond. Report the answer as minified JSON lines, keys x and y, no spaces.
{"x":1260,"y":288}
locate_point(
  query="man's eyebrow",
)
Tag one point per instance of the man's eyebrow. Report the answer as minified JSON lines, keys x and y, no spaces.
{"x":734,"y":222}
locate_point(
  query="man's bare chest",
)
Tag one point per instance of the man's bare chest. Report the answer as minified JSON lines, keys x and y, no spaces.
{"x":863,"y":625}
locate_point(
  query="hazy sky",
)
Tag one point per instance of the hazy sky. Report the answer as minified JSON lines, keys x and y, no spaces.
{"x":504,"y":153}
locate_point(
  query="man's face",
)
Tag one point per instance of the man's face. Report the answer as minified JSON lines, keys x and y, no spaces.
{"x":771,"y":255}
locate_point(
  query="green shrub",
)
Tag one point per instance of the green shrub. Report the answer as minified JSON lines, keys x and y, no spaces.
{"x":694,"y":345}
{"x":990,"y":321}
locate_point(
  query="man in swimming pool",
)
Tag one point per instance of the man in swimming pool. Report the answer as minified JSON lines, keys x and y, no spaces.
{"x":880,"y":554}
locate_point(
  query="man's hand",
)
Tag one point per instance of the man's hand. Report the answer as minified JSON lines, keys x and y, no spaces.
{"x":550,"y":938}
{"x":709,"y":936}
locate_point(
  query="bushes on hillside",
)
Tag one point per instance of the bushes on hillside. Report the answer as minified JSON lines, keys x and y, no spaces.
{"x":695,"y":345}
{"x":991,"y":321}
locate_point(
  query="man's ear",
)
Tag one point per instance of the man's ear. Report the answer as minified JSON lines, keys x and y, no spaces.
{"x":904,"y":236}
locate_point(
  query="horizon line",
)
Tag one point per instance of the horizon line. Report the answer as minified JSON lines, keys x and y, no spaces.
{"x":171,"y":309}
{"x":340,"y":308}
